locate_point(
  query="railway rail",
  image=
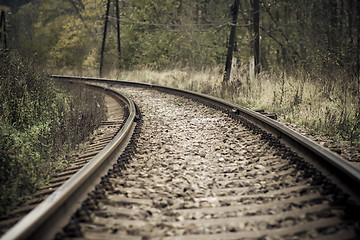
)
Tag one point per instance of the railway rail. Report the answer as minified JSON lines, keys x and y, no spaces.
{"x":105,"y":133}
{"x":209,"y":170}
{"x":70,"y":186}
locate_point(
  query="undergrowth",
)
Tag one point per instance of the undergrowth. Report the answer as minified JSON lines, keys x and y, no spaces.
{"x":40,"y":123}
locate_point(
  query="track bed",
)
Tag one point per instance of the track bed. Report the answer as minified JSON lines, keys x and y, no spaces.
{"x":199,"y":174}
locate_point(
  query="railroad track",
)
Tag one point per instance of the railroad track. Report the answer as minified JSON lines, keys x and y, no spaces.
{"x":105,"y":133}
{"x":112,"y":134}
{"x":213,"y":170}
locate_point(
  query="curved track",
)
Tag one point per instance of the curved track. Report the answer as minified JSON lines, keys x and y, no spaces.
{"x":229,"y":173}
{"x":105,"y":133}
{"x":53,"y":212}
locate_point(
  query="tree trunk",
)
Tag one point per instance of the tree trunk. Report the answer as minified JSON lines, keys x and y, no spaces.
{"x":357,"y":74}
{"x":3,"y":30}
{"x":1,"y":23}
{"x":235,"y":11}
{"x":256,"y":15}
{"x":118,"y":32}
{"x":104,"y":38}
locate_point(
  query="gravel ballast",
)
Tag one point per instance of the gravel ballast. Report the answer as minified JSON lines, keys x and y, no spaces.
{"x":198,"y":174}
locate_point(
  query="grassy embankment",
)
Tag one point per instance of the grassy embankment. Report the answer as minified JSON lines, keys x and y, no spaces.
{"x":39,"y":125}
{"x":323,"y":106}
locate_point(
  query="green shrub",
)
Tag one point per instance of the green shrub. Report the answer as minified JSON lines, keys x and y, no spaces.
{"x":40,"y":122}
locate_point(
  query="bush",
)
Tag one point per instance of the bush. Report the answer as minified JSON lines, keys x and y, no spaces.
{"x":39,"y":124}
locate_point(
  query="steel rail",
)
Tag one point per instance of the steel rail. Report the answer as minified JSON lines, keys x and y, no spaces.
{"x":332,"y":165}
{"x":48,"y":217}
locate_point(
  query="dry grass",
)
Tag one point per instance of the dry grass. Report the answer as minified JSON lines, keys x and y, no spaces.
{"x":328,"y":107}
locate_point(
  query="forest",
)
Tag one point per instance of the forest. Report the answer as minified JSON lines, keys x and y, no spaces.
{"x":304,"y":53}
{"x":302,"y":34}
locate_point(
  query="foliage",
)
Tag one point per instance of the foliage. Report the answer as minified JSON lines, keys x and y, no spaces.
{"x":302,"y":34}
{"x":38,"y":125}
{"x":14,"y":4}
{"x":157,"y":34}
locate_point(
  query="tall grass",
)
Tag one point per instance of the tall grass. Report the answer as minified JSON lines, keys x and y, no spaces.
{"x":330,"y":107}
{"x":39,"y":124}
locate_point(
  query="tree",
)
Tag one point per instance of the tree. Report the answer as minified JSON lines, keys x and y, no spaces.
{"x":3,"y":33}
{"x":104,"y":38}
{"x":256,"y":24}
{"x":231,"y":44}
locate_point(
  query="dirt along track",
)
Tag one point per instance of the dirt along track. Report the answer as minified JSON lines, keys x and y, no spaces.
{"x":199,"y":174}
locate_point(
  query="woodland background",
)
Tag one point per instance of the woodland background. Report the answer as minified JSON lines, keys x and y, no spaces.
{"x":299,"y":34}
